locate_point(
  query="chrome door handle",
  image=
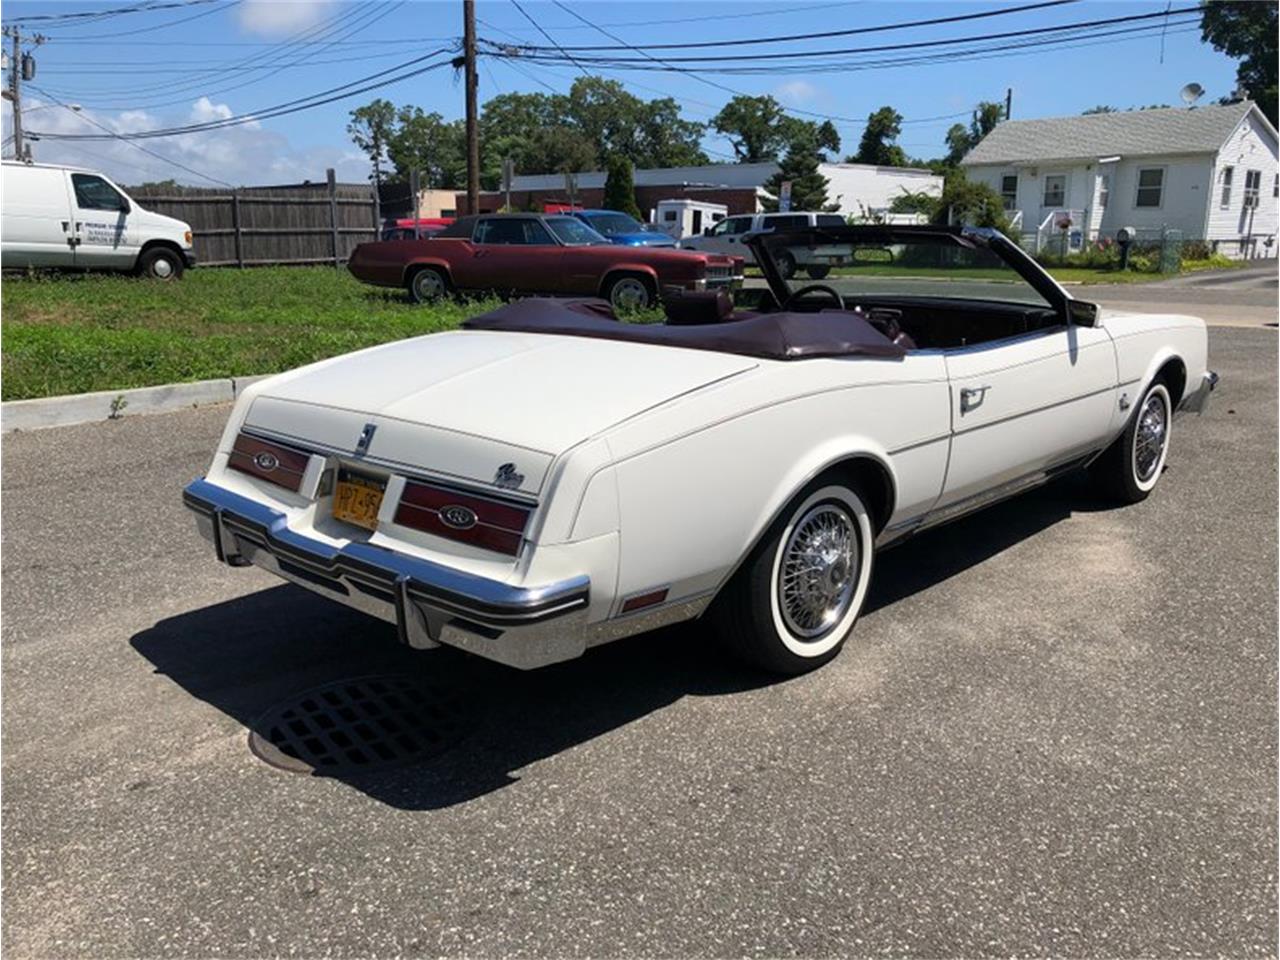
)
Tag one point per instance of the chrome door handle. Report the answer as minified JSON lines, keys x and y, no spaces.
{"x":971,"y":397}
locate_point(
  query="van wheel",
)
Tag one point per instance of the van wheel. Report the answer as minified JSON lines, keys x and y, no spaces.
{"x":817,"y":273}
{"x":794,"y":601}
{"x":160,"y":263}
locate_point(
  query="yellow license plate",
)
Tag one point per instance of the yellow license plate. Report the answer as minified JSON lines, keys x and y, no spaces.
{"x":356,"y":499}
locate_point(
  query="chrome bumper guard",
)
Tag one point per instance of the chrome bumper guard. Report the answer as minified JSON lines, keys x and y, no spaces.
{"x":1197,"y":401}
{"x":452,"y":604}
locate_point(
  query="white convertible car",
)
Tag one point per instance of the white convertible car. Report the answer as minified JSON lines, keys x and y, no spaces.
{"x":550,"y":478}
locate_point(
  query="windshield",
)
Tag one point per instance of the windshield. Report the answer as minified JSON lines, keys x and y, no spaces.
{"x":927,"y":267}
{"x":612,"y":224}
{"x":573,"y":232}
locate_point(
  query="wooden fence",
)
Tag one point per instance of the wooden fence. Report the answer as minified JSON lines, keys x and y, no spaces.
{"x":260,"y":226}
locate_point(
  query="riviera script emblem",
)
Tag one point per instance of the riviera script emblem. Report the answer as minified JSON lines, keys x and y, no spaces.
{"x":266,"y":461}
{"x":458,"y":517}
{"x":508,"y":477}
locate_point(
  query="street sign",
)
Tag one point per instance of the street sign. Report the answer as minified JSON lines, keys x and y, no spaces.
{"x":784,"y":197}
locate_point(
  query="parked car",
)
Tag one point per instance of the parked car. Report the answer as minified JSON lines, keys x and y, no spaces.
{"x":69,"y":217}
{"x":535,"y":253}
{"x":623,"y":229}
{"x":549,"y":478}
{"x":404,"y":228}
{"x":729,"y":235}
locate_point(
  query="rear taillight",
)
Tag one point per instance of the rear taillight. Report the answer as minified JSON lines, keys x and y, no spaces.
{"x":466,"y":519}
{"x":272,"y":462}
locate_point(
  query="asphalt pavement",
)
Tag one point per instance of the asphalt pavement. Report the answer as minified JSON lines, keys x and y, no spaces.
{"x":1053,"y":733}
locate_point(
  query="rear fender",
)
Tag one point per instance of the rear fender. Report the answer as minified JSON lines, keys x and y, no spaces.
{"x":416,"y":262}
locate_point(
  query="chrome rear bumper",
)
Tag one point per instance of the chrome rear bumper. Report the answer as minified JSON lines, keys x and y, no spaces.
{"x":430,"y":603}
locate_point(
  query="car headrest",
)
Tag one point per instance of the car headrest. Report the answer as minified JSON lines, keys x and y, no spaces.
{"x":690,"y":309}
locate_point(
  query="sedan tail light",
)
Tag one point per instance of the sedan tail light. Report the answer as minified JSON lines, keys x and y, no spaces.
{"x":268,"y":461}
{"x":489,"y":524}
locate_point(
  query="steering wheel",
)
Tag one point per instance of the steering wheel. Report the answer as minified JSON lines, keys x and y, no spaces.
{"x":803,"y":292}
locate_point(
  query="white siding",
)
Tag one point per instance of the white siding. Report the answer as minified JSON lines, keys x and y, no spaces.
{"x":854,"y":186}
{"x":1251,"y":147}
{"x":1182,"y":201}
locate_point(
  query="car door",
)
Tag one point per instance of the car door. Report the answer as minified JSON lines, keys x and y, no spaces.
{"x":1025,"y":405}
{"x":36,"y":227}
{"x":510,"y":254}
{"x":725,"y":237}
{"x":100,"y":224}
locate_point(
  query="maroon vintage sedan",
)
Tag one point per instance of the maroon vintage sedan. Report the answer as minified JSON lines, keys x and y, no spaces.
{"x":532,"y":253}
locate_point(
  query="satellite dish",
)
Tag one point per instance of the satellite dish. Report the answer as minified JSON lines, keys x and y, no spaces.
{"x":1191,"y":93}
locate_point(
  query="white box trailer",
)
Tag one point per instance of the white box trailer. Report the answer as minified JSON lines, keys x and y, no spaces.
{"x":686,"y":218}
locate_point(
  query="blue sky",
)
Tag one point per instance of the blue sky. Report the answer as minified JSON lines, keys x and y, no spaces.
{"x":157,"y":68}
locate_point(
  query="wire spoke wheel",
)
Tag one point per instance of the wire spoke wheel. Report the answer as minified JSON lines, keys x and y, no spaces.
{"x":1151,"y":437}
{"x":818,"y":572}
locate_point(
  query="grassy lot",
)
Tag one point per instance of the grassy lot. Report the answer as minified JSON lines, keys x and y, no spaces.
{"x":70,"y":334}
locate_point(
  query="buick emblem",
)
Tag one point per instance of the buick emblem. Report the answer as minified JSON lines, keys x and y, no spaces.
{"x":458,"y":517}
{"x":266,"y":461}
{"x":508,"y":476}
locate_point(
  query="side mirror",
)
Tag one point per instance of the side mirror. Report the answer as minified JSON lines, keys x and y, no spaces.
{"x":1082,"y":313}
{"x":126,"y":206}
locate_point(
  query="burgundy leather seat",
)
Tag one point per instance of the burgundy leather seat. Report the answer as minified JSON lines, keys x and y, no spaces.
{"x":687,"y":309}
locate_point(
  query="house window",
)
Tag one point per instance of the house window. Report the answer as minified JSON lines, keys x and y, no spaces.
{"x":1150,"y":187}
{"x":1104,"y":191}
{"x":1009,"y":190}
{"x":1228,"y":174}
{"x":1055,"y":190}
{"x":1252,"y":188}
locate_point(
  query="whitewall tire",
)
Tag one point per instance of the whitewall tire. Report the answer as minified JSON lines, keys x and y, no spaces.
{"x":795,"y":600}
{"x":1130,"y":468}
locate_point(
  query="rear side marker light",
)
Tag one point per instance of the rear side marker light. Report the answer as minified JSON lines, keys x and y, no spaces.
{"x":642,"y":600}
{"x":466,"y":519}
{"x":268,"y":461}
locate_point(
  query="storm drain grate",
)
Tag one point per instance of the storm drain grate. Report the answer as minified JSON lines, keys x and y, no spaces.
{"x":358,"y":725}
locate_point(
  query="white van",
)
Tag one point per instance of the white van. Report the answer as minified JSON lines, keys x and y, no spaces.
{"x":68,"y":217}
{"x":680,"y":218}
{"x":726,"y":237}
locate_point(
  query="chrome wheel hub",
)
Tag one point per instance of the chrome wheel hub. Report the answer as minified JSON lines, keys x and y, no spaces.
{"x":818,"y":571}
{"x":428,"y":285}
{"x":162,"y":268}
{"x":1148,"y":443}
{"x":629,"y":295}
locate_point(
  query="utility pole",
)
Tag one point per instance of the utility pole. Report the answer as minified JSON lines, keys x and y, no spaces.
{"x":21,"y":67}
{"x":472,"y":81}
{"x":1008,"y":103}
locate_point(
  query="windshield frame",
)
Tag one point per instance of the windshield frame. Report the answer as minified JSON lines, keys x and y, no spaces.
{"x":767,"y":245}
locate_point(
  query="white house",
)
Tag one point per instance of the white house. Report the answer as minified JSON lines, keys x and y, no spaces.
{"x":1210,"y":172}
{"x":854,"y":187}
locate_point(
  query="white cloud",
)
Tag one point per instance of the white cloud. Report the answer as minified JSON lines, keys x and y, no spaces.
{"x":280,"y":17}
{"x":246,"y":154}
{"x":797,"y":92}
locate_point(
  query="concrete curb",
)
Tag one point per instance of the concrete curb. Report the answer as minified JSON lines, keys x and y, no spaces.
{"x":108,"y":405}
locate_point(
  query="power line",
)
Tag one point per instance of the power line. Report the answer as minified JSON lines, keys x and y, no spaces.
{"x":881,"y":48}
{"x":516,"y":4}
{"x":94,"y":15}
{"x":220,"y":5}
{"x":158,"y":156}
{"x":279,"y":110}
{"x":788,"y":38}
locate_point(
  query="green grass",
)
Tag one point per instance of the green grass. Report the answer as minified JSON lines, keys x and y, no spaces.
{"x":71,"y":334}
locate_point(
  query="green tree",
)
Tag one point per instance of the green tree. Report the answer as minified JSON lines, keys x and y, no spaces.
{"x":961,"y":139}
{"x":370,"y":128}
{"x":426,"y":143}
{"x":619,"y":186}
{"x":973,"y":204}
{"x":877,"y":145}
{"x":756,"y":127}
{"x":1100,"y":108}
{"x":1246,"y":31}
{"x":801,"y":167}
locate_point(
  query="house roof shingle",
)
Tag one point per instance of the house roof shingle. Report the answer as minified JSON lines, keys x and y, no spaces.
{"x":1130,"y":133}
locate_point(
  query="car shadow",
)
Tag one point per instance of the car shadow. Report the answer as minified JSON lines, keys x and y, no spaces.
{"x":247,"y":655}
